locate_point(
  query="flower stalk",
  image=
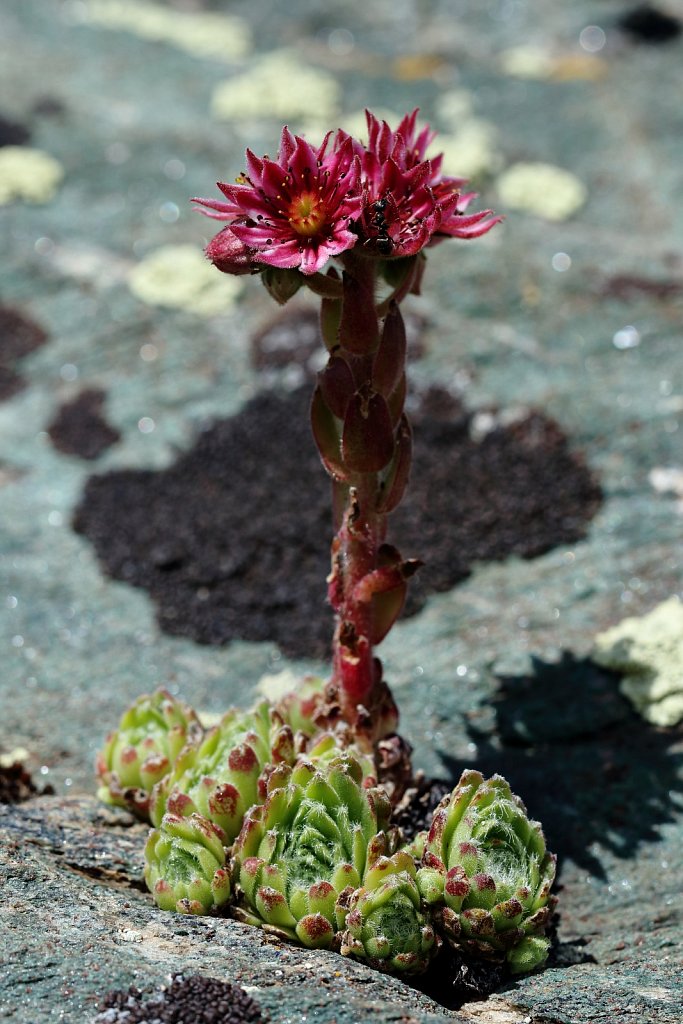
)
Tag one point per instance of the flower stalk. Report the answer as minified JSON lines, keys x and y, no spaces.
{"x":374,"y":209}
{"x":364,"y":439}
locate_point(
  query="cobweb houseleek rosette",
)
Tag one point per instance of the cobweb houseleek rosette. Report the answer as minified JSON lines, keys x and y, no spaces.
{"x":312,"y":839}
{"x":222,"y":777}
{"x":384,"y":919}
{"x":185,"y":866}
{"x":141,"y":752}
{"x":327,"y":747}
{"x":487,"y":875}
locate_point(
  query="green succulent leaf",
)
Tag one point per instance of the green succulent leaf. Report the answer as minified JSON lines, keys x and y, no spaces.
{"x":300,"y":707}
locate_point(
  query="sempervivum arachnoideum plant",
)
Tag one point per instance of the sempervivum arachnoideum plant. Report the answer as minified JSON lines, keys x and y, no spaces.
{"x":313,"y":860}
{"x":142,"y":751}
{"x":312,"y":840}
{"x":385,"y":922}
{"x":223,"y":777}
{"x":185,"y":866}
{"x":487,"y":875}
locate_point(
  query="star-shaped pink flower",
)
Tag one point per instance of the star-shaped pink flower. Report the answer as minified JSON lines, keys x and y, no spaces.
{"x":293,"y":212}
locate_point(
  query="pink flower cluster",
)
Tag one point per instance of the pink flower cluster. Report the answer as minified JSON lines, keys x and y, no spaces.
{"x":314,"y":203}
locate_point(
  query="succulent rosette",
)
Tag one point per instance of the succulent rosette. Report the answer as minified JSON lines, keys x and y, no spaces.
{"x":416,"y":846}
{"x":327,"y":747}
{"x":222,"y":777}
{"x":185,"y":865}
{"x":384,"y":921}
{"x":487,"y":875}
{"x":141,"y":752}
{"x":313,"y":839}
{"x":300,"y":707}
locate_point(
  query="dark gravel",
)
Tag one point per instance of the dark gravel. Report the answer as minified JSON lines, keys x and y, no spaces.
{"x":13,"y":133}
{"x":18,"y":336}
{"x":415,"y":811}
{"x":17,"y":786}
{"x":193,"y":1000}
{"x":647,"y":24}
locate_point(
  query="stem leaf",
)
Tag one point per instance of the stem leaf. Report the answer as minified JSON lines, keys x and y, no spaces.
{"x":367,"y":439}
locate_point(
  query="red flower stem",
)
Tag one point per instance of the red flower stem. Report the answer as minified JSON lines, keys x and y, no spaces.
{"x":356,"y":683}
{"x":354,"y":558}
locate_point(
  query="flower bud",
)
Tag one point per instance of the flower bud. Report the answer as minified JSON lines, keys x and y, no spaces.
{"x":228,"y":254}
{"x":282,"y":284}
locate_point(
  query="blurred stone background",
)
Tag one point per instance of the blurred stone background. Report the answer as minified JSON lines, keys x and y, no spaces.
{"x":119,"y":345}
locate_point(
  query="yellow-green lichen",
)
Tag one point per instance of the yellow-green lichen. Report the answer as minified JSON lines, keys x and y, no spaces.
{"x":179,"y":276}
{"x":275,"y":685}
{"x":15,"y":756}
{"x":28,"y":174}
{"x":551,"y":192}
{"x":279,"y":86}
{"x":470,"y":151}
{"x":201,"y":34}
{"x":455,"y":106}
{"x":528,"y":61}
{"x":537,"y":62}
{"x":648,"y":651}
{"x":356,"y":124}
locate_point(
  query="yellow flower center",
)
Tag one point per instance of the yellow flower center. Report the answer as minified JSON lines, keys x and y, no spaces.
{"x":307,"y":214}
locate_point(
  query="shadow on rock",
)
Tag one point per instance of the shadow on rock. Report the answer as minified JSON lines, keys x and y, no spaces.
{"x":585,"y":763}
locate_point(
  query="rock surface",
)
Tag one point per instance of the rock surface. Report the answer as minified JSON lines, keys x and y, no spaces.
{"x":577,"y":318}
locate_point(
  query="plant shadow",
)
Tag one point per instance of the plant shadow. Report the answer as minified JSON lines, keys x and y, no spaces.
{"x":587,"y":766}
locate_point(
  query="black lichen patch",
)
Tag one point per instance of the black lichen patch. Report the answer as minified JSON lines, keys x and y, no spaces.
{"x":48,"y":106}
{"x":232,"y":541}
{"x":519,"y":490}
{"x":18,"y":337}
{"x":196,"y":999}
{"x":13,"y":133}
{"x":79,"y":428}
{"x":647,"y":24}
{"x":10,"y":382}
{"x":627,"y":287}
{"x":17,"y":786}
